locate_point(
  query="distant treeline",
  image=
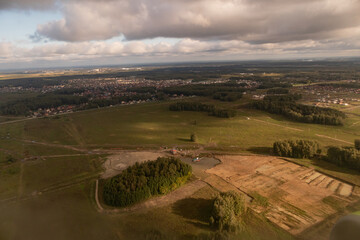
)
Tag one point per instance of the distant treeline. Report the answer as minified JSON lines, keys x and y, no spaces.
{"x":224,"y":92}
{"x":227,"y":96}
{"x":24,"y":106}
{"x":344,"y":157}
{"x":96,"y":103}
{"x":141,"y":181}
{"x":278,"y":91}
{"x":272,"y":84}
{"x":31,"y":82}
{"x":296,"y":148}
{"x":341,"y":85}
{"x":200,"y":107}
{"x":283,"y":98}
{"x":284,"y":105}
{"x":50,"y":100}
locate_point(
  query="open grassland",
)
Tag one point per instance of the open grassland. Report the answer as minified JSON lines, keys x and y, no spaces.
{"x":152,"y":124}
{"x":70,"y":214}
{"x":33,"y":177}
{"x":51,"y":182}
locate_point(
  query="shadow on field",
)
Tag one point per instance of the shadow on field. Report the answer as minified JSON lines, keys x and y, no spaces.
{"x":260,"y":150}
{"x":197,"y":210}
{"x":184,"y":139}
{"x":332,"y":167}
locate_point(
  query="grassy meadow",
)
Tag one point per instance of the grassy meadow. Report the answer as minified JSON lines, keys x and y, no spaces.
{"x":55,"y":168}
{"x":153,"y":124}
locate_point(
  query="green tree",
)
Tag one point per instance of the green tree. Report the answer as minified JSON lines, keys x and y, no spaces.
{"x":227,"y":211}
{"x":357,"y":144}
{"x":193,"y":137}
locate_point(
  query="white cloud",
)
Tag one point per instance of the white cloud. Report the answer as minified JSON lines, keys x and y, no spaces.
{"x":183,"y":49}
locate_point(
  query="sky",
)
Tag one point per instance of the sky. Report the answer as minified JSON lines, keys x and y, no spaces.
{"x":56,"y":33}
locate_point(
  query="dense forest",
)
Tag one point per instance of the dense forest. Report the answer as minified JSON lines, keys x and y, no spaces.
{"x":200,"y":107}
{"x":225,"y":92}
{"x":227,"y":96}
{"x":52,"y":100}
{"x":141,"y":181}
{"x":296,"y":148}
{"x":32,"y":82}
{"x":354,"y":85}
{"x":96,"y":103}
{"x":24,"y":106}
{"x":344,"y":157}
{"x":278,"y":91}
{"x":228,"y":208}
{"x":286,"y":106}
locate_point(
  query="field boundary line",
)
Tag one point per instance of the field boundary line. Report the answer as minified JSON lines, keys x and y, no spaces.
{"x":100,"y":208}
{"x":278,"y":125}
{"x":339,"y":140}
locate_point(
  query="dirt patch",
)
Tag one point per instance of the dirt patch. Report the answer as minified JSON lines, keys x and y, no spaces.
{"x":121,"y":160}
{"x":295,"y":193}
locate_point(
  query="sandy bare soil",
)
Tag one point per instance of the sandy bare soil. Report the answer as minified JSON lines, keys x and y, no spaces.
{"x":121,"y":160}
{"x":297,"y":195}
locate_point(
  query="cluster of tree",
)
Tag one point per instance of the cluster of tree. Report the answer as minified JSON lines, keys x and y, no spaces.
{"x":97,"y":103}
{"x":150,"y":90}
{"x":227,"y":211}
{"x":299,"y":112}
{"x":233,"y":90}
{"x":200,"y":107}
{"x":344,"y":157}
{"x":31,"y":82}
{"x":191,"y":106}
{"x":283,"y":98}
{"x":354,"y":85}
{"x":274,"y":84}
{"x":357,"y":144}
{"x":296,"y":149}
{"x":227,"y":96}
{"x":141,"y":181}
{"x":278,"y":91}
{"x":24,"y":106}
{"x":69,"y":91}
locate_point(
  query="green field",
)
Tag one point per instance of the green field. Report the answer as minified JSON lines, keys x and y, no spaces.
{"x":56,"y":178}
{"x":70,"y":214}
{"x":152,"y":124}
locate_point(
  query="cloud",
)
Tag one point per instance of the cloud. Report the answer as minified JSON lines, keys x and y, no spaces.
{"x":256,"y":21}
{"x":27,"y":4}
{"x":92,"y":52}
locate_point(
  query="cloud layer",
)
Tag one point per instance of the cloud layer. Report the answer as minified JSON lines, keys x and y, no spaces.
{"x":184,"y":49}
{"x":255,"y":21}
{"x":216,"y":29}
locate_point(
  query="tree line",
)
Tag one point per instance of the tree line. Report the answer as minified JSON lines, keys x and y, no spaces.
{"x":285,"y":105}
{"x":200,"y":107}
{"x":278,"y":91}
{"x":225,"y":92}
{"x":344,"y":157}
{"x":26,"y":105}
{"x":296,"y":148}
{"x":51,"y":100}
{"x":141,"y":181}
